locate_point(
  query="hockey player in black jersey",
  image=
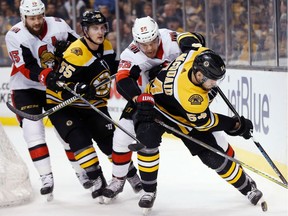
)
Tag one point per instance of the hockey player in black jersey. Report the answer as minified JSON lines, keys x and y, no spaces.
{"x":86,"y":62}
{"x":179,"y":97}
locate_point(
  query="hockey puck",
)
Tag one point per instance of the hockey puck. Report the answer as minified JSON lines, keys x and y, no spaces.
{"x":264,"y":206}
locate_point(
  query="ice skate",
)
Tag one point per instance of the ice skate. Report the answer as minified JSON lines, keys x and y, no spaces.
{"x":84,"y":180}
{"x":135,"y":183}
{"x":98,"y":185}
{"x":255,"y":195}
{"x":113,"y":189}
{"x":146,"y":202}
{"x":47,"y":186}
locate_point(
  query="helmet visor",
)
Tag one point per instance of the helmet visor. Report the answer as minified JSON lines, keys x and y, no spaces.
{"x":209,"y":83}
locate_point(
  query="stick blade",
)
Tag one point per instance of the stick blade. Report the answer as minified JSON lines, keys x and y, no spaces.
{"x":23,"y":114}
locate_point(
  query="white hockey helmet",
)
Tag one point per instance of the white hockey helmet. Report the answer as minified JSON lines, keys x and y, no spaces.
{"x":31,"y":8}
{"x":145,"y":30}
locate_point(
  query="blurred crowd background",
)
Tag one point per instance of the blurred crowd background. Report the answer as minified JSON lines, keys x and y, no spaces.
{"x":249,"y":33}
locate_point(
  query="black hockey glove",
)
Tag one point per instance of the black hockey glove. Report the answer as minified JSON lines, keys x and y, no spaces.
{"x":85,"y":90}
{"x":147,"y":130}
{"x":129,"y":110}
{"x":190,"y":41}
{"x":212,"y":94}
{"x":49,"y":78}
{"x":245,"y":130}
{"x":60,"y":48}
{"x":145,"y":109}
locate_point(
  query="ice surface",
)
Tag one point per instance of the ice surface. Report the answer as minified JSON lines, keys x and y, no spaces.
{"x":185,"y":187}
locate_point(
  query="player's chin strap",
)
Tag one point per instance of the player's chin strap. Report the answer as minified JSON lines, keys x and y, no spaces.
{"x":220,"y":153}
{"x":266,"y":156}
{"x":87,"y":36}
{"x":138,"y":145}
{"x":57,"y":107}
{"x":90,"y":39}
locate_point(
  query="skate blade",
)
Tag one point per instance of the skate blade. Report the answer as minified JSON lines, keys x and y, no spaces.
{"x":146,"y":211}
{"x":49,"y":197}
{"x":108,"y":200}
{"x":100,"y":199}
{"x":140,"y":193}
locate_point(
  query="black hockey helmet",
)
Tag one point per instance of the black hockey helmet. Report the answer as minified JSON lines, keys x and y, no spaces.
{"x":93,"y":17}
{"x":210,"y":64}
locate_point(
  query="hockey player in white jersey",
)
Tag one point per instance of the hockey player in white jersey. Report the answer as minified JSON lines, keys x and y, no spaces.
{"x":31,"y":44}
{"x":151,"y":49}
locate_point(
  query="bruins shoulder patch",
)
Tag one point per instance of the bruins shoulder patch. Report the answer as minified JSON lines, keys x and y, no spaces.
{"x":77,"y":51}
{"x":195,"y":99}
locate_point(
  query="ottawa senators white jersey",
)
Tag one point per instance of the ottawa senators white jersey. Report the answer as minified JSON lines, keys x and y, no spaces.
{"x":178,"y":99}
{"x":133,"y":56}
{"x":31,"y":54}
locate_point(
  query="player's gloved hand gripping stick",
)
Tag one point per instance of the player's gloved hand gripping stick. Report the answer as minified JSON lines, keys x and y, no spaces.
{"x":56,"y":108}
{"x":136,"y":146}
{"x":250,"y":135}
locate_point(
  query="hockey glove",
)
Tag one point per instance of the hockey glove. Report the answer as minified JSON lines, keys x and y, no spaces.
{"x":212,"y":94}
{"x":245,"y":130}
{"x":85,"y":90}
{"x":60,"y":48}
{"x":190,"y":41}
{"x":145,"y":111}
{"x":147,"y":130}
{"x":49,"y":78}
{"x":129,"y":110}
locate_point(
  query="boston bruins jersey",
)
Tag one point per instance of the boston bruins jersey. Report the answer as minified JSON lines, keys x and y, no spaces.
{"x":182,"y":102}
{"x":31,"y":54}
{"x":81,"y":64}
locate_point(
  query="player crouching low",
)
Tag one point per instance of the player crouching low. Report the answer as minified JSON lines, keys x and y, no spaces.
{"x":179,"y":97}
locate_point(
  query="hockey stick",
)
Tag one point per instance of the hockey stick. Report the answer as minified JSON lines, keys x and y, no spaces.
{"x":132,"y":147}
{"x":54,"y":109}
{"x":266,"y":156}
{"x":42,"y":115}
{"x":221,"y":153}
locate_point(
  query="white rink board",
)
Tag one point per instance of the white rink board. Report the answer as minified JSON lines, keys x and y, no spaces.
{"x":261,"y":97}
{"x":5,"y":95}
{"x":258,"y":95}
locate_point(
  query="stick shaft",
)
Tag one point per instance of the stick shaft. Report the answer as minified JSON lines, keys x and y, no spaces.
{"x":138,"y":145}
{"x":53,"y":109}
{"x":258,"y":145}
{"x":221,"y":153}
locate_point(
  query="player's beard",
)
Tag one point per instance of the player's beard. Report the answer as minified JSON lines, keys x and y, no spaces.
{"x":35,"y":32}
